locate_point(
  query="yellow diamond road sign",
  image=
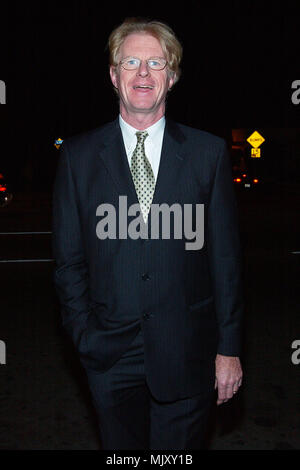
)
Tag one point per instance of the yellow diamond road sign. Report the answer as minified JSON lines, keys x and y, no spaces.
{"x":255,"y":139}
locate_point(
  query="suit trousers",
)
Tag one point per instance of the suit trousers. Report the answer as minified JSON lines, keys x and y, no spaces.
{"x":130,"y":417}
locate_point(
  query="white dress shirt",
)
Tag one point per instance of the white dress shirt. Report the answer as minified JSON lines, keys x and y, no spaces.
{"x":153,"y":142}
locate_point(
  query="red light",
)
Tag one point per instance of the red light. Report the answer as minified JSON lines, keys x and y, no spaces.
{"x":237,"y":180}
{"x":2,"y":188}
{"x":244,"y":176}
{"x":255,"y":180}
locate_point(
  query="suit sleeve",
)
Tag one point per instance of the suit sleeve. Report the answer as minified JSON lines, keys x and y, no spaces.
{"x":225,"y":257}
{"x":71,"y":273}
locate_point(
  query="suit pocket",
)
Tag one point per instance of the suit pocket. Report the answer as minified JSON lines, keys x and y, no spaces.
{"x":201,"y":303}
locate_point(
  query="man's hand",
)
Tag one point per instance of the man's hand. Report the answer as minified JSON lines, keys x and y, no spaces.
{"x":228,"y":377}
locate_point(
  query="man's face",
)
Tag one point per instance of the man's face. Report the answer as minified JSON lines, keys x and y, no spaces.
{"x":134,"y":98}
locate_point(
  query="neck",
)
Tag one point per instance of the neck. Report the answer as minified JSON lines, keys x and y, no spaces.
{"x":141,"y":121}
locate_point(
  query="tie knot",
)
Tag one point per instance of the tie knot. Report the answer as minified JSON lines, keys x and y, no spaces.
{"x":141,"y":136}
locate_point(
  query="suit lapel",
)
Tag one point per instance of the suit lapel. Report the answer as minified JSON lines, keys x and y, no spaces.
{"x":113,"y":155}
{"x":171,"y":161}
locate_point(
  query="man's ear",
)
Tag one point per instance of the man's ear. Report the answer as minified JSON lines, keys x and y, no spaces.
{"x":113,"y":76}
{"x":172,"y":80}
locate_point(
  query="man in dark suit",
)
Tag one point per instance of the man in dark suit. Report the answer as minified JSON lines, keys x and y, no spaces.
{"x":156,"y":325}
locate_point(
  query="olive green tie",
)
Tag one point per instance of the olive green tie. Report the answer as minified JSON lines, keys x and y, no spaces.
{"x":142,"y":174}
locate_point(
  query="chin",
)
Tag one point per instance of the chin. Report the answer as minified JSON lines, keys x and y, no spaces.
{"x":143,"y":104}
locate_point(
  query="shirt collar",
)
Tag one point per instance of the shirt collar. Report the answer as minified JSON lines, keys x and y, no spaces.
{"x":155,"y":131}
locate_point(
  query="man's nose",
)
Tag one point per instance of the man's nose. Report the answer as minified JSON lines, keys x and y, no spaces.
{"x":143,"y":69}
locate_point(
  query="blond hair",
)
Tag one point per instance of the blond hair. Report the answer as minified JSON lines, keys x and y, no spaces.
{"x":161,"y":31}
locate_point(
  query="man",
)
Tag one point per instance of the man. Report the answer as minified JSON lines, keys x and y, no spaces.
{"x":156,"y":326}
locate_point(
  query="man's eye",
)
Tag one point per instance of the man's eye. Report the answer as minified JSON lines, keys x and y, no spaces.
{"x":132,"y":62}
{"x":154,"y":63}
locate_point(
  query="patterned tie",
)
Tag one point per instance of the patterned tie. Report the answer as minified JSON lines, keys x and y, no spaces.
{"x":142,"y":174}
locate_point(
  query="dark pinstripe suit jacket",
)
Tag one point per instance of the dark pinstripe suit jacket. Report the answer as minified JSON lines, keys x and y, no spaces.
{"x":189,"y":303}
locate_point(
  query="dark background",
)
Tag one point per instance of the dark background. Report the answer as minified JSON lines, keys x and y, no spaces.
{"x":240,"y":59}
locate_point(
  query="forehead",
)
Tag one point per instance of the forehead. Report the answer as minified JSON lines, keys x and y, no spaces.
{"x":141,"y":45}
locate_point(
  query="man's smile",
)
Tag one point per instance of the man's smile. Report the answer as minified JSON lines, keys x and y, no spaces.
{"x":143,"y":88}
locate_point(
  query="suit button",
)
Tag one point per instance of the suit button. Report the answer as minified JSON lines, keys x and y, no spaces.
{"x":146,"y":277}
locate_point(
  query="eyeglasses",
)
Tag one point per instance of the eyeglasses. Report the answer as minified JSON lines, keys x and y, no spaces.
{"x":133,"y":63}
